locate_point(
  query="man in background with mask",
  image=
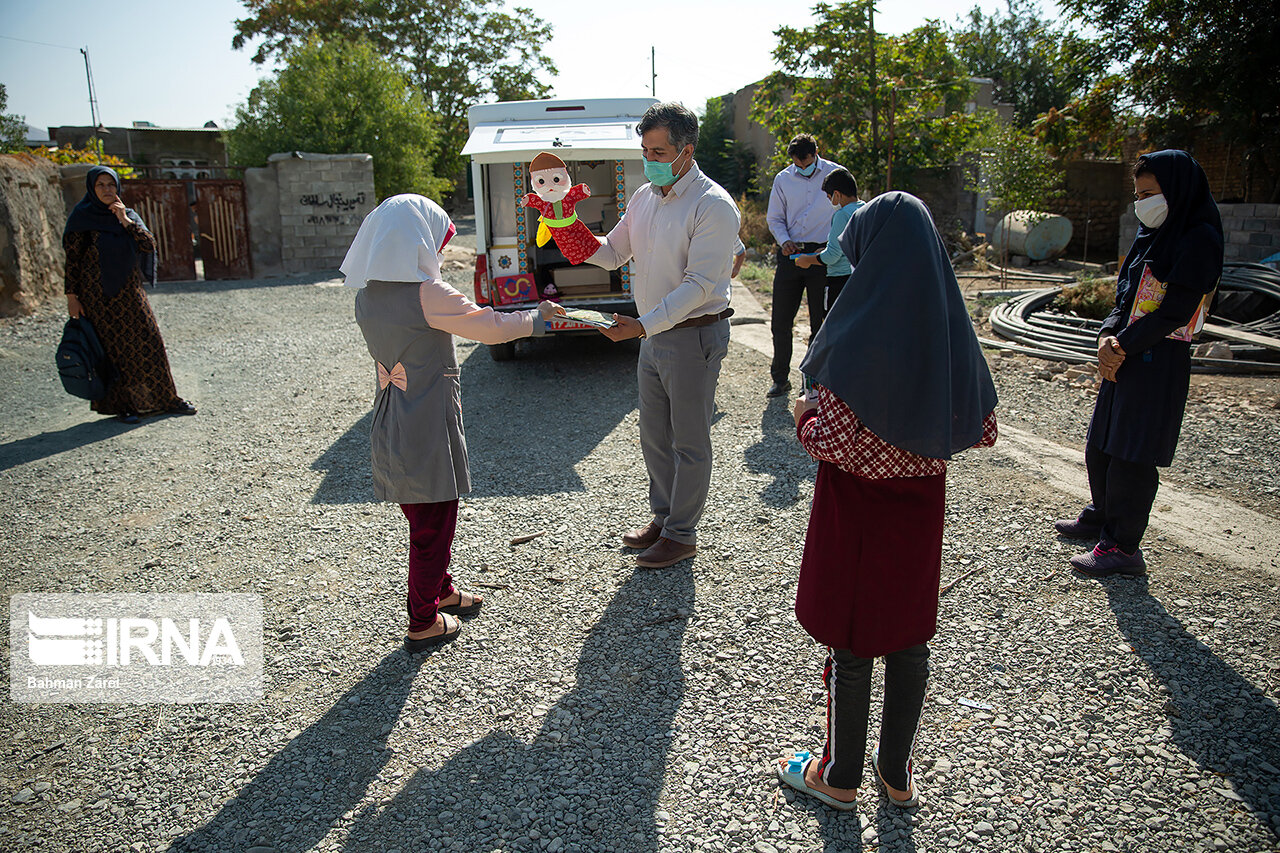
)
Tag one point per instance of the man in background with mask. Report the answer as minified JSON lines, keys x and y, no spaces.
{"x":799,"y":218}
{"x":679,"y":231}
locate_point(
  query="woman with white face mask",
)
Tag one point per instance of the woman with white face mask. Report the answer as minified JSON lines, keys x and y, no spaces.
{"x":1144,"y":357}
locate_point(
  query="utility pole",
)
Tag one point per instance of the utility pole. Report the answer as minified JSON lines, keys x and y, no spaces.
{"x":653,"y":69}
{"x":93,"y":105}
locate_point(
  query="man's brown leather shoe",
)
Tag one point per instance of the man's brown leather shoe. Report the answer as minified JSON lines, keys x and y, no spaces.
{"x":665,"y":552}
{"x":642,"y":537}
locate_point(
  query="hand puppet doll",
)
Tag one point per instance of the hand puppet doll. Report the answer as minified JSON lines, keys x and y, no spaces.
{"x":554,"y":198}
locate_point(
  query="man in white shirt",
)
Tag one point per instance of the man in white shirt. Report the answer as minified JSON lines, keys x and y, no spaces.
{"x":679,"y":231}
{"x":799,"y":218}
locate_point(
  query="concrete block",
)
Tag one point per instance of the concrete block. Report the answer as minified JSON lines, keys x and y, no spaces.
{"x":1254,"y":225}
{"x":1267,"y":211}
{"x":1240,"y":210}
{"x":1260,"y":239}
{"x":1237,"y":236}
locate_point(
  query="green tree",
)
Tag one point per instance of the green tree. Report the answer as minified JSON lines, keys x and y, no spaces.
{"x":457,"y":52}
{"x":926,"y":90}
{"x":727,"y":161}
{"x":1036,"y":65}
{"x":1093,"y":125}
{"x":826,"y":89}
{"x":1014,"y":171}
{"x":1196,"y":65}
{"x":341,"y":99}
{"x":13,"y":128}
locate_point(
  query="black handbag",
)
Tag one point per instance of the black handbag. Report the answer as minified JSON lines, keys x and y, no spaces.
{"x":82,"y":363}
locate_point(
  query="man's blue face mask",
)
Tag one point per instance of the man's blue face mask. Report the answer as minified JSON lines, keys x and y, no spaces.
{"x":661,"y":174}
{"x":808,"y":171}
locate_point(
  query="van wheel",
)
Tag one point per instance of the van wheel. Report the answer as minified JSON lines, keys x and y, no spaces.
{"x":503,"y":352}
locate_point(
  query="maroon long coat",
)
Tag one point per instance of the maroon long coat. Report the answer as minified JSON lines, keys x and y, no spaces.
{"x":125,"y":324}
{"x":872,"y":561}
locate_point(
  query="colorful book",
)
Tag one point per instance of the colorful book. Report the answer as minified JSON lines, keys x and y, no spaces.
{"x":587,"y":317}
{"x":1151,"y":293}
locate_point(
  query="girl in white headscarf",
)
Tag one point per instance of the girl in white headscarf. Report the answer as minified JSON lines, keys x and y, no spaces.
{"x":408,"y":315}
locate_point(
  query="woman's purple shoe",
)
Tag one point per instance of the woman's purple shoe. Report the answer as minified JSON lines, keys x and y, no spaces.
{"x":1106,"y":560}
{"x":1074,"y":528}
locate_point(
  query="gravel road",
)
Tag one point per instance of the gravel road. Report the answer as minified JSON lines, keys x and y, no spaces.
{"x":593,"y":706}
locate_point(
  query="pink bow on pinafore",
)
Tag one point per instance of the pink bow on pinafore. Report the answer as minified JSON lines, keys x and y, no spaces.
{"x":393,"y":377}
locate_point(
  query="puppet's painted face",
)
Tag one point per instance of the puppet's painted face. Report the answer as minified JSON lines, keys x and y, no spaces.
{"x":550,"y":184}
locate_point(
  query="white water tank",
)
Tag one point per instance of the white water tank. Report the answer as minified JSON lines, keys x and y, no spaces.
{"x":1039,"y":236}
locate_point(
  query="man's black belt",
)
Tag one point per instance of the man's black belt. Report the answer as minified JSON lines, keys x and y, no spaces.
{"x":704,"y":320}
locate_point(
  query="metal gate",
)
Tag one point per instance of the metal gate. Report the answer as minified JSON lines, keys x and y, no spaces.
{"x":178,"y":213}
{"x":163,"y":208}
{"x":224,"y":229}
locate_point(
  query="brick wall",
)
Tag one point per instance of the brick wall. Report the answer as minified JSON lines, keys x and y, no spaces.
{"x":1250,"y":227}
{"x":943,"y":190}
{"x":1233,"y":176}
{"x":1094,"y":197}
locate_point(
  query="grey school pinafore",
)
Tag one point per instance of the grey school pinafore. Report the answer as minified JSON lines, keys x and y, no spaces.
{"x":418,"y":446}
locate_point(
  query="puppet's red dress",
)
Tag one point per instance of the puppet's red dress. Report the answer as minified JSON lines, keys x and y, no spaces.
{"x":573,"y":238}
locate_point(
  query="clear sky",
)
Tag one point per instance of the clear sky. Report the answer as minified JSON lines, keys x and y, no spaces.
{"x":171,"y":63}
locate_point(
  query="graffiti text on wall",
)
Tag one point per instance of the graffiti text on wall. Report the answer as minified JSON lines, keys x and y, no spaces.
{"x":330,"y":219}
{"x":334,"y":201}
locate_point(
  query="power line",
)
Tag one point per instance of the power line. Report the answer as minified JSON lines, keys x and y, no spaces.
{"x":41,"y":43}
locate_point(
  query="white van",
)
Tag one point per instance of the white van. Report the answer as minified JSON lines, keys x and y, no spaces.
{"x":597,"y":140}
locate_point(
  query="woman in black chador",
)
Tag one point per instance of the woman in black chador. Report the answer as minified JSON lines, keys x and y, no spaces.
{"x":1144,"y":357}
{"x":108,"y":248}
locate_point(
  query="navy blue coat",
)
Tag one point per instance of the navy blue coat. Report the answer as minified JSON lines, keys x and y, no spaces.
{"x":1139,"y":416}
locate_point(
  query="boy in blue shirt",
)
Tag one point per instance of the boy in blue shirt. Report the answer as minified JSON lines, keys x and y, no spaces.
{"x":842,"y":189}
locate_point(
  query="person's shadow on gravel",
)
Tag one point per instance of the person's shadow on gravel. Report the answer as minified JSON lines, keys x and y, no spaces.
{"x":779,"y":455}
{"x":548,"y":409}
{"x":46,"y":444}
{"x":529,"y":421}
{"x":1219,"y":720}
{"x":590,"y":778}
{"x":321,"y":774}
{"x":347,"y":478}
